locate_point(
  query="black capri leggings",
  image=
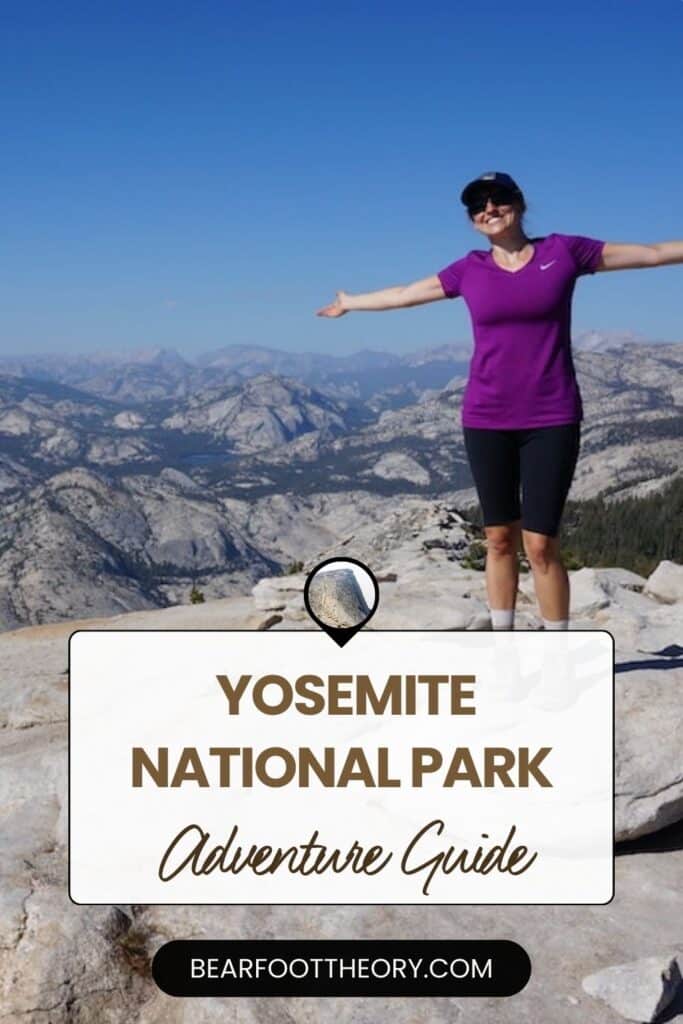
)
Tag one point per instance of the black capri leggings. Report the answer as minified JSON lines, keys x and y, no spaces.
{"x":541,"y":459}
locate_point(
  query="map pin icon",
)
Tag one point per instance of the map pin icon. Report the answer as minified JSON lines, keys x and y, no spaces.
{"x":341,"y":595}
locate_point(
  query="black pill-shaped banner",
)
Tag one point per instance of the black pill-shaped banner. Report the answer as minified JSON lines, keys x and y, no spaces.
{"x":419,"y":967}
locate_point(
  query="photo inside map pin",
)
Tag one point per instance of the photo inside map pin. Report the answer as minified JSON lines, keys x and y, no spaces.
{"x":341,"y":594}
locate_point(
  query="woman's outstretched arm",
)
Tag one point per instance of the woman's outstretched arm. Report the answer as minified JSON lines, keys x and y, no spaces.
{"x":627,"y":256}
{"x":416,"y":294}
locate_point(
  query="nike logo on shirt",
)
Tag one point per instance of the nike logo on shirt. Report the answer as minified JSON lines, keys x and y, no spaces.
{"x":544,"y":266}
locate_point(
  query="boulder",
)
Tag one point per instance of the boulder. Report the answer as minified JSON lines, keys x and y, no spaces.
{"x":649,"y":752}
{"x":666,"y":582}
{"x":640,"y":991}
{"x":618,"y":577}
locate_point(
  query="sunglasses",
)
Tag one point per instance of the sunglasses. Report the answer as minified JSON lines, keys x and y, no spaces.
{"x":498,"y":196}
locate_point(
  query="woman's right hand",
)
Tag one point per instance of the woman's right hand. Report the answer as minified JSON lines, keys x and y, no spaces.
{"x":336,"y":308}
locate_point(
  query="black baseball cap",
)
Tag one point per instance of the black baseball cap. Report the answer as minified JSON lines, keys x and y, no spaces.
{"x":496,"y":179}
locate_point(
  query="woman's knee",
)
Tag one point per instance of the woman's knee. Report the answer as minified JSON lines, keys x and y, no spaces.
{"x":541,"y":550}
{"x":502,"y":541}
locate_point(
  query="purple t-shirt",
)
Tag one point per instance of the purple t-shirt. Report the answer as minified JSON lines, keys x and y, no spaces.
{"x":522,"y":373}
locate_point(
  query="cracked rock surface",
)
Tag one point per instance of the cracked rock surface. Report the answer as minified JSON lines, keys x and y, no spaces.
{"x":61,"y":963}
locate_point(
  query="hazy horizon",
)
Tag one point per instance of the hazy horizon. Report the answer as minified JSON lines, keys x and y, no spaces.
{"x":190,"y":356}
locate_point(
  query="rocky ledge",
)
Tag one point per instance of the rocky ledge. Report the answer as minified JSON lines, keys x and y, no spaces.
{"x":61,"y":963}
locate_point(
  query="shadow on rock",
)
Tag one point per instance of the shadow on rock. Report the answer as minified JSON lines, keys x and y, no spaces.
{"x":658,"y":663}
{"x":664,"y":841}
{"x":674,"y":1010}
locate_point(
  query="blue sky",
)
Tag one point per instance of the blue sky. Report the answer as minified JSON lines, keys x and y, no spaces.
{"x":201,"y":174}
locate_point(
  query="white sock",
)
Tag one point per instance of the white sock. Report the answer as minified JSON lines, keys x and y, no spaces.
{"x":502,"y":618}
{"x":560,"y":624}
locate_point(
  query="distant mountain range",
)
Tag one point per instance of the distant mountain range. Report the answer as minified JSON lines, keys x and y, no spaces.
{"x":160,"y":373}
{"x":125,"y":481}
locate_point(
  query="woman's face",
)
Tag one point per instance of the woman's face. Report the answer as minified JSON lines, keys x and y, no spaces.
{"x":497,"y":218}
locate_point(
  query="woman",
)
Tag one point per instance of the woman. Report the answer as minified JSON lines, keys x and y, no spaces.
{"x":522,"y":408}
